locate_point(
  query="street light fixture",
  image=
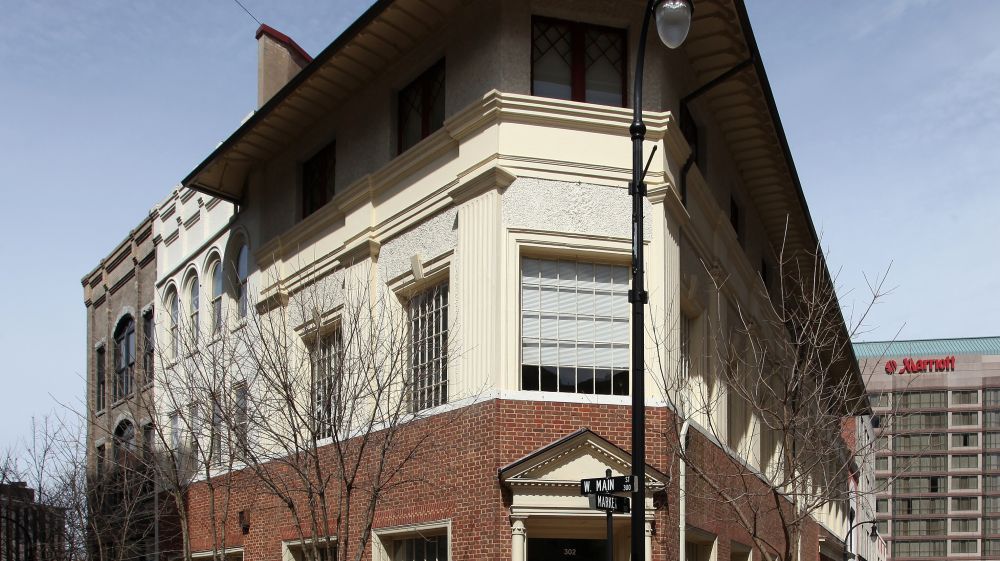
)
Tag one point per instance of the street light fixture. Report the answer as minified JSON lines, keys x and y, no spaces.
{"x":673,"y":20}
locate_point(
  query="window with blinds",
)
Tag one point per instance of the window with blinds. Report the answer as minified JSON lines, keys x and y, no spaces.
{"x":574,"y":327}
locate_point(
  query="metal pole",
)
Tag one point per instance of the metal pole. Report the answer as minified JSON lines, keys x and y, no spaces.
{"x":610,"y":535}
{"x":638,"y":298}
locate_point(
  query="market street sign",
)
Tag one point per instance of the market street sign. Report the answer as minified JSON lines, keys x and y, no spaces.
{"x":610,"y":503}
{"x":620,"y":484}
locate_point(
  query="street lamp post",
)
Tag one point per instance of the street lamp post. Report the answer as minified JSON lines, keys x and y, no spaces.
{"x":673,"y":20}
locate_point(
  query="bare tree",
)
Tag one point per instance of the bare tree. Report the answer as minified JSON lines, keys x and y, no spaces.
{"x":767,"y":382}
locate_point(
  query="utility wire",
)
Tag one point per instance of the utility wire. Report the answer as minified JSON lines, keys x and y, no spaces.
{"x":240,"y":4}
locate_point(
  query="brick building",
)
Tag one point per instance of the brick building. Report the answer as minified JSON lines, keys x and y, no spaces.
{"x":938,"y":457}
{"x":420,"y":243}
{"x":29,"y":531}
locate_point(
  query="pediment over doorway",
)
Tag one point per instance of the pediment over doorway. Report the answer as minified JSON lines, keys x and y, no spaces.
{"x":563,"y":463}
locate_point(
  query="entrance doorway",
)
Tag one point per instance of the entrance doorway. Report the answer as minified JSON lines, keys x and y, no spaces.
{"x":559,"y":549}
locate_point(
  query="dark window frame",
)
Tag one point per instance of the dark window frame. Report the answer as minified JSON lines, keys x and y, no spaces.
{"x":125,"y":337}
{"x":148,"y":346}
{"x":319,"y":179}
{"x":424,"y":83}
{"x":578,"y":71}
{"x":101,"y":382}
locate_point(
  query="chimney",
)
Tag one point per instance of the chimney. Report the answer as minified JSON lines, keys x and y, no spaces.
{"x":279,"y":59}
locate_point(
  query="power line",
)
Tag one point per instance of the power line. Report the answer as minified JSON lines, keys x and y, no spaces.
{"x":240,"y":4}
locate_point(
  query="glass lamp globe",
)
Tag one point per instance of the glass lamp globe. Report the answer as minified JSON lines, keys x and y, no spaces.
{"x":673,"y":21}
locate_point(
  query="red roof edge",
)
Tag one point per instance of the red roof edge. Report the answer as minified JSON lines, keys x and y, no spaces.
{"x":280,"y":37}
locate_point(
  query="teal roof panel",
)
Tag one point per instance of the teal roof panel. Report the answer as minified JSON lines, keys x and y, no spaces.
{"x":924,"y":347}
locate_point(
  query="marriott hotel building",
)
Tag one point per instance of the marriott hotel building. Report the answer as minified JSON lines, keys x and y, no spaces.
{"x":937,"y":458}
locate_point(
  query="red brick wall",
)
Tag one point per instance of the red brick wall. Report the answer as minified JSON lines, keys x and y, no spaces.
{"x":456,"y":478}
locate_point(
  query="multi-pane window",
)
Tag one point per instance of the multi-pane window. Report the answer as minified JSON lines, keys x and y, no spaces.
{"x":241,"y":416}
{"x":991,"y":461}
{"x":991,"y":483}
{"x":574,"y":327}
{"x":991,"y":419}
{"x":326,"y":376}
{"x":963,"y":546}
{"x":194,"y":302}
{"x":318,"y":174}
{"x":965,"y":440}
{"x":101,"y":389}
{"x":421,"y":107}
{"x":991,"y":397}
{"x":918,"y":421}
{"x":991,"y":440}
{"x":883,"y":527}
{"x":882,"y":463}
{"x":881,"y":484}
{"x":123,"y":441}
{"x":921,"y":400}
{"x":965,"y":525}
{"x":124,"y":358}
{"x":920,"y":463}
{"x":882,"y":506}
{"x":173,"y":304}
{"x":920,"y":485}
{"x":965,"y":461}
{"x":919,"y":442}
{"x":881,"y":443}
{"x":991,"y":526}
{"x":216,"y":297}
{"x":964,"y":503}
{"x":422,"y":548}
{"x":964,"y":419}
{"x":148,"y":348}
{"x":920,"y":506}
{"x":879,"y":399}
{"x":991,"y":547}
{"x":991,"y":504}
{"x":919,"y":527}
{"x":964,"y":397}
{"x":242,"y":274}
{"x":936,"y":548}
{"x":965,"y":482}
{"x":428,"y":313}
{"x":577,"y":61}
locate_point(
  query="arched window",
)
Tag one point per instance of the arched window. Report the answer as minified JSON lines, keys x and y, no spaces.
{"x":193,"y":304}
{"x":124,"y":357}
{"x":242,"y":272}
{"x":216,"y":272}
{"x":175,"y":315}
{"x":124,"y":440}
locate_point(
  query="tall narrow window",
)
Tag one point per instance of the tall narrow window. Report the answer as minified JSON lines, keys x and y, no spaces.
{"x":685,"y":344}
{"x":175,"y":430}
{"x":216,"y":432}
{"x":124,"y":441}
{"x":175,"y":317}
{"x":574,"y":327}
{"x":735,"y":220}
{"x":326,"y":375}
{"x":318,"y":174}
{"x":194,"y":303}
{"x":216,"y":297}
{"x":242,"y":273}
{"x":124,"y":358}
{"x":101,"y":389}
{"x":577,"y":61}
{"x":148,"y":348}
{"x":241,"y":417}
{"x":421,"y":107}
{"x":429,"y":347}
{"x":102,"y":456}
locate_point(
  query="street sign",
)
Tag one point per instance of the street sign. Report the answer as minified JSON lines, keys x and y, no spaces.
{"x":610,"y":503}
{"x":620,"y":484}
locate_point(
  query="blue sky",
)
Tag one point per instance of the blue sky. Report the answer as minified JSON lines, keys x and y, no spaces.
{"x":892,"y":110}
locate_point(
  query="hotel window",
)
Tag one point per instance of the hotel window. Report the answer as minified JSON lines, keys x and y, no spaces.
{"x":216,"y":272}
{"x":101,"y":390}
{"x":881,"y":484}
{"x":919,"y":506}
{"x":965,"y":397}
{"x":991,"y":547}
{"x":964,"y":419}
{"x":919,"y":442}
{"x":991,"y":419}
{"x":964,"y":440}
{"x":882,"y":506}
{"x":428,"y":313}
{"x":919,"y":421}
{"x":963,"y":546}
{"x":920,"y":485}
{"x":991,"y":483}
{"x":879,"y":399}
{"x":883,"y":527}
{"x":574,"y":327}
{"x":420,"y":548}
{"x":326,"y":362}
{"x":421,"y":107}
{"x":990,"y":526}
{"x":964,"y":482}
{"x":965,"y":525}
{"x":577,"y":61}
{"x":965,"y":503}
{"x":318,"y":173}
{"x":905,"y":464}
{"x":124,"y":358}
{"x":991,"y":440}
{"x":919,"y":527}
{"x":881,"y":443}
{"x":991,"y":505}
{"x":991,"y":461}
{"x":921,"y":400}
{"x":991,"y":397}
{"x":882,"y":463}
{"x":148,"y":348}
{"x":919,"y":548}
